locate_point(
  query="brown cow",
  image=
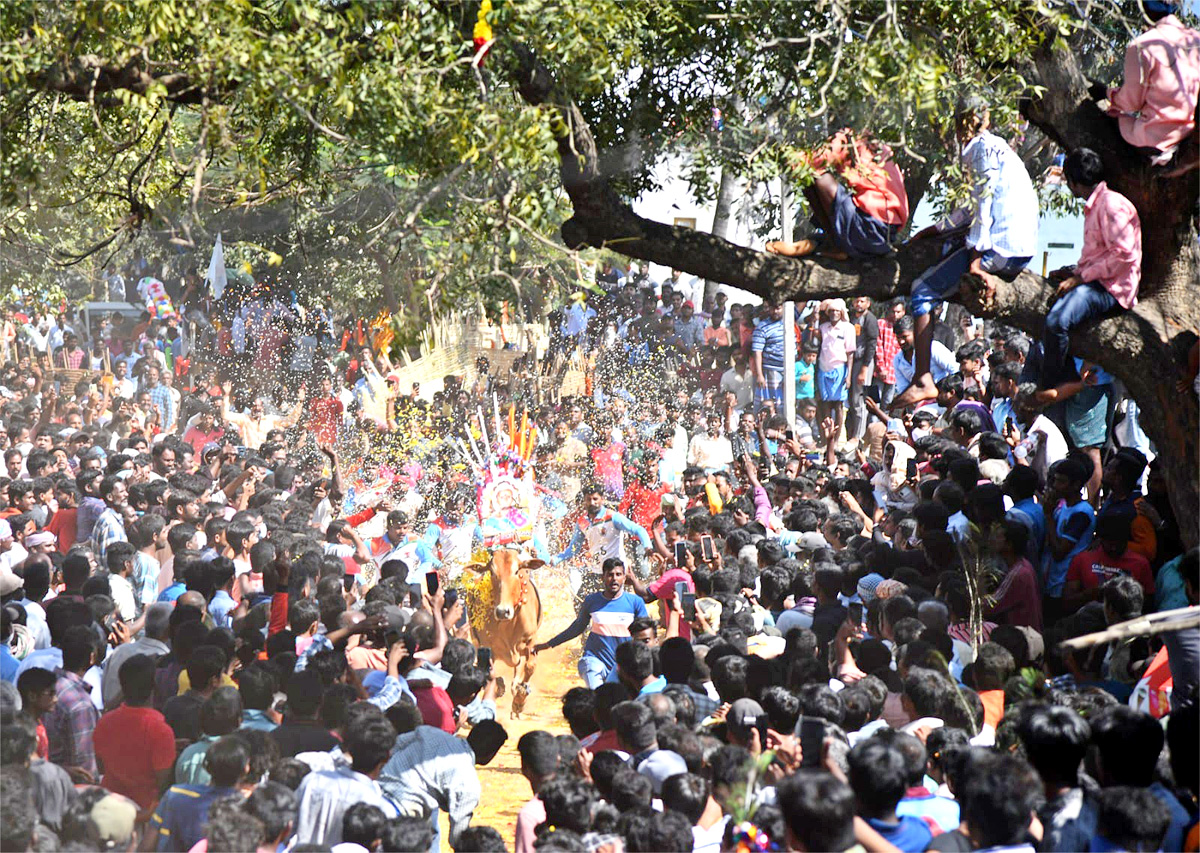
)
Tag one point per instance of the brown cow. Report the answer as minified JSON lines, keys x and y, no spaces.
{"x":509,"y":622}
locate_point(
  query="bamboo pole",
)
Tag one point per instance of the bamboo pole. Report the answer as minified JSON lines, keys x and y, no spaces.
{"x":1141,"y":626}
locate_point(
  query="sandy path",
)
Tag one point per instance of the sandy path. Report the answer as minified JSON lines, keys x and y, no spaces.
{"x":504,"y":788}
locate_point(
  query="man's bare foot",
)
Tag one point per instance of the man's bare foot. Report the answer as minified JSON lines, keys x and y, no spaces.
{"x":1046,"y":396}
{"x":921,"y":389}
{"x":798,"y":249}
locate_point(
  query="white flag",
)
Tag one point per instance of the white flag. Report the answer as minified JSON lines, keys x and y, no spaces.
{"x":216,"y":269}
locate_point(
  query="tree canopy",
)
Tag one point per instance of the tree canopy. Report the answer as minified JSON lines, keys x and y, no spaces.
{"x":457,"y":142}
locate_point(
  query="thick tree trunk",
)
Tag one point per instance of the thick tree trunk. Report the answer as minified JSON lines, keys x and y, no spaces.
{"x":1145,"y":347}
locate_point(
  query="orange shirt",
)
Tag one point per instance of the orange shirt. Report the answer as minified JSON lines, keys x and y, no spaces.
{"x":869,"y":171}
{"x":993,"y":706}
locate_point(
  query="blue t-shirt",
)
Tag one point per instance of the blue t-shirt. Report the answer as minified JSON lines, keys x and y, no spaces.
{"x":911,"y":834}
{"x":182,"y":814}
{"x":941,"y":810}
{"x":609,"y":623}
{"x":804,"y":380}
{"x":1074,"y":523}
{"x":767,"y":338}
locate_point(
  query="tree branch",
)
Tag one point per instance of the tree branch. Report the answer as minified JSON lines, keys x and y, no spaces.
{"x":74,"y":78}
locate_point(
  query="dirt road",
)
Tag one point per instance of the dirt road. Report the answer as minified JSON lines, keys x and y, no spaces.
{"x":504,"y":788}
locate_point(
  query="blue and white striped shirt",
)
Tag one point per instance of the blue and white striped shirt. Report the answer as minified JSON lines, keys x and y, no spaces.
{"x":768,"y":339}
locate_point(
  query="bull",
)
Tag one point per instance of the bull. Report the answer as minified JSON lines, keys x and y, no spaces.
{"x":509,"y":621}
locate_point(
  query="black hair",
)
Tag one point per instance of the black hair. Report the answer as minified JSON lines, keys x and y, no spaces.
{"x":136,"y":677}
{"x":539,"y":753}
{"x":568,"y":803}
{"x":729,"y":677}
{"x":671,"y":832}
{"x":1083,"y":166}
{"x":257,"y":684}
{"x":782,"y":706}
{"x":819,"y":700}
{"x":363,"y":824}
{"x":289,"y":772}
{"x":818,"y":810}
{"x":630,"y":790}
{"x":369,"y":741}
{"x":994,"y":665}
{"x":276,"y":806}
{"x":878,"y":775}
{"x":1056,"y":740}
{"x":1129,"y":743}
{"x":635,"y":660}
{"x":634,"y":724}
{"x":18,"y":740}
{"x":304,"y":691}
{"x":1131,"y":818}
{"x":404,"y":834}
{"x":997,"y":793}
{"x":480,"y":839}
{"x":226,"y":760}
{"x":579,"y":710}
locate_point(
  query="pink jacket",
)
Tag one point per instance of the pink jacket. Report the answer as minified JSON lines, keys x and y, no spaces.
{"x":1112,"y":244}
{"x":1156,"y":105}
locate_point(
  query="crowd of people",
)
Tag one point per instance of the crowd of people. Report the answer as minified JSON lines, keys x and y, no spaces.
{"x":231,"y":548}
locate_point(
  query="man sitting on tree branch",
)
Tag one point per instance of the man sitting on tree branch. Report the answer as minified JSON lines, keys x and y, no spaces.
{"x":1110,"y":264}
{"x":1155,"y":106}
{"x":1000,"y":242}
{"x":862,"y":215}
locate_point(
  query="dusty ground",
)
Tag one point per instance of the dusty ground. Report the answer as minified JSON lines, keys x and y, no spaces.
{"x":504,"y":788}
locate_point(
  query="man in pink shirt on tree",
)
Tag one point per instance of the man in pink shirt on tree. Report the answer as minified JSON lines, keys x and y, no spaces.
{"x":860,"y":213}
{"x":1110,"y":264}
{"x":1156,"y":105}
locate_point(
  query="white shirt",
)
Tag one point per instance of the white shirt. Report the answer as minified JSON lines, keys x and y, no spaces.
{"x":711,"y":454}
{"x":1006,"y":204}
{"x":1042,"y":446}
{"x":741,"y":385}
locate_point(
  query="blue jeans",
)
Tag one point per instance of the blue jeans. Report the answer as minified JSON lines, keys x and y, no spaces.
{"x":592,"y":670}
{"x":1082,"y":303}
{"x":941,"y":279}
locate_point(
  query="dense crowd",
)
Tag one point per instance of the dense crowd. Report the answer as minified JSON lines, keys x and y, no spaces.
{"x":232,"y":550}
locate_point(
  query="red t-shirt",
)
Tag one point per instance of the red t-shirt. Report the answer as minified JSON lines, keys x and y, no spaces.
{"x":642,"y":504}
{"x":62,"y":525}
{"x":324,"y":414}
{"x":436,"y":707}
{"x":1093,"y":567}
{"x":132,"y":744}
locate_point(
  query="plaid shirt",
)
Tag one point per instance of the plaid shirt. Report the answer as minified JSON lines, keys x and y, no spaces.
{"x":69,"y":726}
{"x":109,"y":529}
{"x":164,"y":401}
{"x":431,"y":770}
{"x":885,"y":353}
{"x":74,"y":357}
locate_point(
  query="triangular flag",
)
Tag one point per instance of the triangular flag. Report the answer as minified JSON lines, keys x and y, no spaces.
{"x":216,"y":269}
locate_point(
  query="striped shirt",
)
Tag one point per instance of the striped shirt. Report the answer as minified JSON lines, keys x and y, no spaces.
{"x":609,"y":619}
{"x":1006,"y":204}
{"x":768,"y":339}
